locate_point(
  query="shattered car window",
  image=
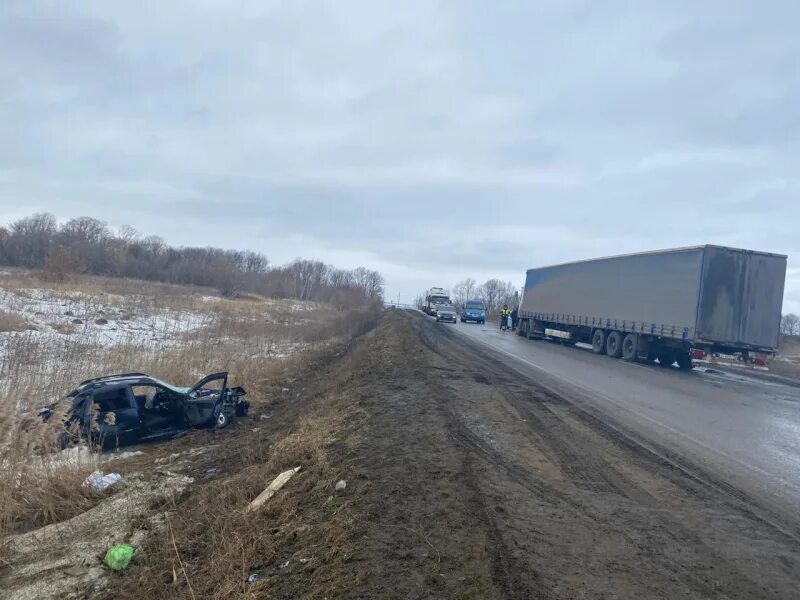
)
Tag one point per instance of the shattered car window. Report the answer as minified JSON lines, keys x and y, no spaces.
{"x":170,"y":387}
{"x":112,"y":401}
{"x":149,"y":397}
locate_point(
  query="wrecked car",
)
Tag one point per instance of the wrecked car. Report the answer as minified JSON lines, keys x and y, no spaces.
{"x":132,"y":408}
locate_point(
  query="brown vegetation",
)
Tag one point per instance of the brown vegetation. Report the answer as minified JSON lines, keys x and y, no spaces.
{"x":88,"y":245}
{"x":245,"y":337}
{"x":12,"y":322}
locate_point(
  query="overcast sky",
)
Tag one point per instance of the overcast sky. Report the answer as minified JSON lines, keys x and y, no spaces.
{"x":429,"y":140}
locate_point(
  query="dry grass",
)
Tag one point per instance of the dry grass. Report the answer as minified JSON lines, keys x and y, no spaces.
{"x":13,"y":322}
{"x":244,"y":337}
{"x":213,"y":544}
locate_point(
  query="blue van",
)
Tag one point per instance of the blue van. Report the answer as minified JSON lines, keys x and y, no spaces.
{"x":473,"y":310}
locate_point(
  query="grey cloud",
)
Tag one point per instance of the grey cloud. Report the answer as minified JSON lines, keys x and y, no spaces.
{"x":494,"y":137}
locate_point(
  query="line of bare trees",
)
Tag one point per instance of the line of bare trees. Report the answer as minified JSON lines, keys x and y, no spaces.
{"x":494,"y":293}
{"x":87,"y":245}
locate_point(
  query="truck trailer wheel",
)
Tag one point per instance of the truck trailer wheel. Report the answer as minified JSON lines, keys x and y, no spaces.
{"x":614,"y":344}
{"x":666,"y":357}
{"x":630,"y":347}
{"x":599,"y":341}
{"x":684,"y":360}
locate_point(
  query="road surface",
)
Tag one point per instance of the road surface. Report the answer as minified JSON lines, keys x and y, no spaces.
{"x":728,"y":429}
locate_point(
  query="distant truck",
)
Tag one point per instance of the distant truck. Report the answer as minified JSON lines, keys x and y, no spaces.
{"x":434,"y":297}
{"x":660,"y":305}
{"x":473,"y":310}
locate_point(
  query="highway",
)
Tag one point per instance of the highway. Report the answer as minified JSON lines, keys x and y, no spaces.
{"x":732,"y":430}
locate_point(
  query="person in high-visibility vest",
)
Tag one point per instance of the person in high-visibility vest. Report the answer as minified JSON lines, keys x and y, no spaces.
{"x":504,"y":314}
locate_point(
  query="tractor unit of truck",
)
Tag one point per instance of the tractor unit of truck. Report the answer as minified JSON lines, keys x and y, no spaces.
{"x":434,"y":297}
{"x":663,"y":305}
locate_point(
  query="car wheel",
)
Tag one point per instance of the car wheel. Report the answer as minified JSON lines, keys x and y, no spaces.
{"x":614,"y":344}
{"x":222,"y":420}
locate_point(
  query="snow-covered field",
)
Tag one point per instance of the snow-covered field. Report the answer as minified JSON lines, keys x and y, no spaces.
{"x":53,"y":336}
{"x":106,"y":320}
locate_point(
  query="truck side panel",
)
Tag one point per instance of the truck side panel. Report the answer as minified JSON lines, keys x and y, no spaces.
{"x":741,"y":298}
{"x":657,"y":289}
{"x":766,"y":277}
{"x":721,"y":296}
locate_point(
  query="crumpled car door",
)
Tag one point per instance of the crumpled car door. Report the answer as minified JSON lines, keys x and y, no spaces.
{"x":204,"y":402}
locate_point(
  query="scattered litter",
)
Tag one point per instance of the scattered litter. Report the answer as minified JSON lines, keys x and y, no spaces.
{"x":254,"y":577}
{"x":124,"y":454}
{"x":285,"y":390}
{"x":119,"y":557}
{"x":100,"y":482}
{"x":282,"y":566}
{"x":214,"y":471}
{"x":341,"y":485}
{"x":305,"y":560}
{"x":272,"y":488}
{"x":75,"y":571}
{"x":265,"y":416}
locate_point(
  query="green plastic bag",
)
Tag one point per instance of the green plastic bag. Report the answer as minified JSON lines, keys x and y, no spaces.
{"x":119,"y":557}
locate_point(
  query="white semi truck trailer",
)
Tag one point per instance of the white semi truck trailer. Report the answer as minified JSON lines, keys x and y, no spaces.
{"x":660,"y":305}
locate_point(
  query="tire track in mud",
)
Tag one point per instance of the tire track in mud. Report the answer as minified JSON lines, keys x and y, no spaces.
{"x":509,"y":574}
{"x":593,"y":474}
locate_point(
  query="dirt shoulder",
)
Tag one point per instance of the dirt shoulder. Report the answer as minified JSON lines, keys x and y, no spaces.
{"x":463,"y":481}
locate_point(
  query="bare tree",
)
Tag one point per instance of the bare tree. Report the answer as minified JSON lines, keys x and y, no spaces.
{"x":495,"y":293}
{"x":308,"y":277}
{"x":128,"y":234}
{"x":464,"y":290}
{"x":339,"y":278}
{"x":29,"y":240}
{"x":375,"y":285}
{"x":790,"y":324}
{"x":4,"y":234}
{"x":62,"y":262}
{"x":91,"y":240}
{"x":254,"y":262}
{"x":369,"y":282}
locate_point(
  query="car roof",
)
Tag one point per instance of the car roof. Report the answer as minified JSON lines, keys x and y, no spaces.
{"x":121,"y":379}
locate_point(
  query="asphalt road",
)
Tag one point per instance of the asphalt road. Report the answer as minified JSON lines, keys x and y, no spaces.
{"x":729,"y":429}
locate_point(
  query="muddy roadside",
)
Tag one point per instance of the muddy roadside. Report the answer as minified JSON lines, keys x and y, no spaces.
{"x":462,"y":481}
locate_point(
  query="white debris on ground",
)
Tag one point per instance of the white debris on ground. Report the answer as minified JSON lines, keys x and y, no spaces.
{"x":105,"y":320}
{"x":82,"y":455}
